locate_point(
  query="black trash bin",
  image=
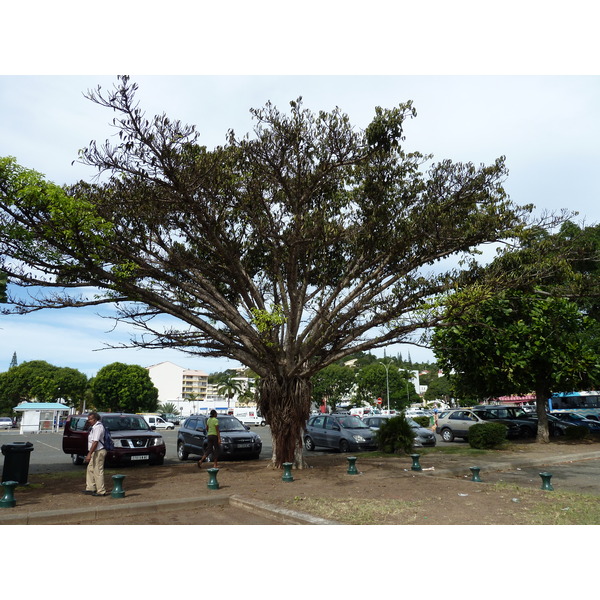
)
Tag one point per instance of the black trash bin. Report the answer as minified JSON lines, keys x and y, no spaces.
{"x":16,"y":461}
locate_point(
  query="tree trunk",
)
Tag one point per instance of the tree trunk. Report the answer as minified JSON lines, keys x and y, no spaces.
{"x":541,"y":398}
{"x":285,"y":405}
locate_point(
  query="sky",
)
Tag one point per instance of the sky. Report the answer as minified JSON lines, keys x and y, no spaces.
{"x":545,"y":123}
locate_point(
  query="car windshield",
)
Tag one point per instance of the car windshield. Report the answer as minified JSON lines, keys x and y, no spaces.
{"x":230,"y":424}
{"x":352,"y":423}
{"x":412,"y":423}
{"x":125,"y":423}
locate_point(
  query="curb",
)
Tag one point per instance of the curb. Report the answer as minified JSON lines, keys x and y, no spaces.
{"x":89,"y":515}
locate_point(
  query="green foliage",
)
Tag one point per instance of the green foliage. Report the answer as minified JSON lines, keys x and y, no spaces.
{"x":518,"y":342}
{"x":332,"y":384}
{"x":372,"y":383}
{"x":40,"y":381}
{"x":119,"y":387}
{"x":422,"y":421}
{"x":395,"y":436}
{"x":487,"y":435}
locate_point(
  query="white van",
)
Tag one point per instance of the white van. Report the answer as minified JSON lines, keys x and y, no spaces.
{"x":249,"y":416}
{"x":157,"y":422}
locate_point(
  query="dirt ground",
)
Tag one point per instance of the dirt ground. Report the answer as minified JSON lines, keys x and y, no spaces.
{"x":394,"y":493}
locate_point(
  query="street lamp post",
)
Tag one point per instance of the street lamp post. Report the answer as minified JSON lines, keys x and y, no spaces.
{"x":387,"y":382}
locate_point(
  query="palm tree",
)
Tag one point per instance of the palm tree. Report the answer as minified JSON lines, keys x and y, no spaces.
{"x":229,"y":388}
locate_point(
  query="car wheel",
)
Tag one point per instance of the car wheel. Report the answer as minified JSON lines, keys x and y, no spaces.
{"x":181,"y":453}
{"x":172,"y":427}
{"x":308,"y":443}
{"x":344,"y":446}
{"x":447,"y":435}
{"x":527,"y":432}
{"x":77,"y":460}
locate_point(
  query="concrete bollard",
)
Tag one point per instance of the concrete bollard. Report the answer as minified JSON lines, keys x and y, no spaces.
{"x":117,"y":491}
{"x":475,"y":473}
{"x":415,"y":466}
{"x":352,"y":465}
{"x":213,"y":484}
{"x":546,"y":485}
{"x":287,"y":472}
{"x":8,"y":500}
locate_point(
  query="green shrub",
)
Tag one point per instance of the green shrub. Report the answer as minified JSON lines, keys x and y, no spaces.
{"x":576,"y":432}
{"x":423,"y":421}
{"x":395,"y":436}
{"x":487,"y":435}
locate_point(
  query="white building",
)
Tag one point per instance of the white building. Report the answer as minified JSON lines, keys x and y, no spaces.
{"x":187,"y":389}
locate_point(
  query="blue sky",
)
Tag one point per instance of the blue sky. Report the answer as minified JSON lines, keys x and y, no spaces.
{"x":546,"y":124}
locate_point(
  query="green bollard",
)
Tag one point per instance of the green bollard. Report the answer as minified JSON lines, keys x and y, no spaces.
{"x":8,"y":500}
{"x":546,"y":485}
{"x":117,"y":491}
{"x":351,"y":465}
{"x":212,"y":479}
{"x":475,"y":472}
{"x":287,"y":472}
{"x":415,"y":466}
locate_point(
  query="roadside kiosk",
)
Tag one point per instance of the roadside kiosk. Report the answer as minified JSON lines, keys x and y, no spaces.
{"x":41,"y":416}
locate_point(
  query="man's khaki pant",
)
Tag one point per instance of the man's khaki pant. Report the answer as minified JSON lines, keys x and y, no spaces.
{"x":94,"y":476}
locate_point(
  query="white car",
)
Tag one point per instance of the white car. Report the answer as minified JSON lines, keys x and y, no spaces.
{"x":5,"y":423}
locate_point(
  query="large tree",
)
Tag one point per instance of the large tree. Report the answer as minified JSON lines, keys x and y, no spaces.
{"x":286,"y":250}
{"x":518,"y":342}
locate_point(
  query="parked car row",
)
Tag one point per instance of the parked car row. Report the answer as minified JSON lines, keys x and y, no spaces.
{"x":346,"y":433}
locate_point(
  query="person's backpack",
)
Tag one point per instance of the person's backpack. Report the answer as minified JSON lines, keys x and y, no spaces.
{"x":108,"y":441}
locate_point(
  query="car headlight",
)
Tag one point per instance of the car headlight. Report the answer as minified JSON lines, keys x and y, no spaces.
{"x":358,"y":438}
{"x":158,"y":441}
{"x":225,"y":440}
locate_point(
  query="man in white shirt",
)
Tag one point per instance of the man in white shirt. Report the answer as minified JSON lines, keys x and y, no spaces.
{"x":94,"y":477}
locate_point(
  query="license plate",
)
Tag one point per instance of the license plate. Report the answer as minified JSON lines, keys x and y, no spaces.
{"x":140,"y":457}
{"x":244,"y":445}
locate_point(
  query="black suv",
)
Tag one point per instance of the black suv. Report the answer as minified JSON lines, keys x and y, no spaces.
{"x":133,"y":438}
{"x":237,"y":441}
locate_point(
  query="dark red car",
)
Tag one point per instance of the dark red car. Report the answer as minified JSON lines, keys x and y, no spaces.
{"x":134,"y":440}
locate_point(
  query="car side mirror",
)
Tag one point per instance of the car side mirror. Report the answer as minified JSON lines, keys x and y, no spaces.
{"x":247,"y":427}
{"x":153,"y":427}
{"x":336,"y":428}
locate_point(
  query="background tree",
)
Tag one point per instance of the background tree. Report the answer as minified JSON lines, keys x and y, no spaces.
{"x":438,"y":389}
{"x":286,"y":251}
{"x":168,"y":408}
{"x":40,"y":381}
{"x":229,"y":388}
{"x":119,"y":387}
{"x":332,"y":385}
{"x":3,"y":280}
{"x":516,"y":343}
{"x":372,"y":382}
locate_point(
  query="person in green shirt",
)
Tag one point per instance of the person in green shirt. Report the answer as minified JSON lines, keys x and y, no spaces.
{"x":213,"y":439}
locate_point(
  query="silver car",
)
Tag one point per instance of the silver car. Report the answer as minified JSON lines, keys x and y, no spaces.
{"x":423,"y":436}
{"x":5,"y":423}
{"x":343,"y":432}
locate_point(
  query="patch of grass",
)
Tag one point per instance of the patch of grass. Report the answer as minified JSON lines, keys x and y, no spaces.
{"x":555,"y":508}
{"x":355,"y":511}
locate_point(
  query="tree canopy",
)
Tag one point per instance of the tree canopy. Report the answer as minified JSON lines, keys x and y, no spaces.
{"x":120,"y":387}
{"x":286,"y":250}
{"x":40,"y":381}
